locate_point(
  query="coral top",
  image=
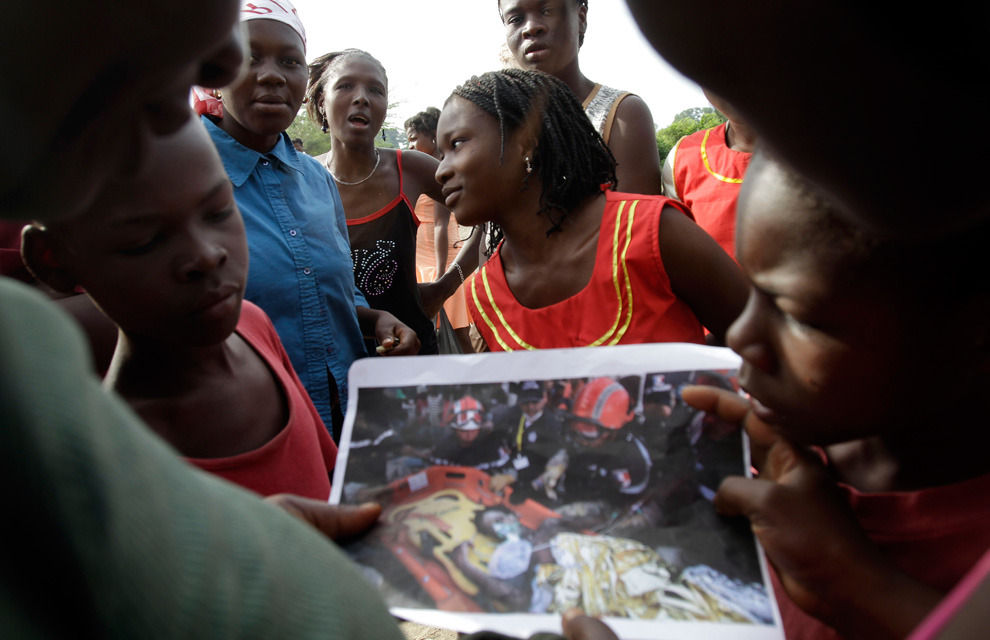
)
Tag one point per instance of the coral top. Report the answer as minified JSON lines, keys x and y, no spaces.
{"x":426,"y":258}
{"x":301,"y":457}
{"x":627,"y":301}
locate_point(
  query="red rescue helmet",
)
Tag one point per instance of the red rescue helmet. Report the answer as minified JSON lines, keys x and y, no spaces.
{"x":603,"y":403}
{"x":467,"y":414}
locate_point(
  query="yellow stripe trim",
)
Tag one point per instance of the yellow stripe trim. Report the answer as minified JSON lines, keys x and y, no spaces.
{"x":704,"y":159}
{"x":498,"y":312}
{"x":624,"y":312}
{"x":477,"y":303}
{"x":625,"y":272}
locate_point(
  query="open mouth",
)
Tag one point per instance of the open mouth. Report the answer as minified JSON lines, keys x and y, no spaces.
{"x":359,"y":119}
{"x":536,"y":52}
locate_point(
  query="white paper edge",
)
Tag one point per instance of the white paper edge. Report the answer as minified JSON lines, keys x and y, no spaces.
{"x":544,"y":365}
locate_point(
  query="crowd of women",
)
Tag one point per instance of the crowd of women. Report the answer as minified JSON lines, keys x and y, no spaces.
{"x":868,"y":514}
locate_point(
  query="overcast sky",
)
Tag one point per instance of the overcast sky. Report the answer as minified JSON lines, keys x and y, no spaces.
{"x":430,"y":46}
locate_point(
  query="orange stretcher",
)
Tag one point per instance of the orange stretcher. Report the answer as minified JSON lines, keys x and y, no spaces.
{"x":430,"y":513}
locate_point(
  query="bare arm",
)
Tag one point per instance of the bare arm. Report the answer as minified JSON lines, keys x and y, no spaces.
{"x":633,"y":142}
{"x":441,"y":241}
{"x":434,"y":294}
{"x":701,"y":273}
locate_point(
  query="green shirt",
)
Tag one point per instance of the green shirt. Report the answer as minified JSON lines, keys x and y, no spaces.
{"x":131,"y":541}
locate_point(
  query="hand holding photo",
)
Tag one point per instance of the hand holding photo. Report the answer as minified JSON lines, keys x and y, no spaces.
{"x":588,"y":483}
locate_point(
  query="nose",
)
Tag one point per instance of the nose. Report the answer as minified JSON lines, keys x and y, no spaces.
{"x":533,"y":27}
{"x":748,"y":336}
{"x":269,"y":72}
{"x":202,"y":256}
{"x":443,"y":172}
{"x":360,"y":95}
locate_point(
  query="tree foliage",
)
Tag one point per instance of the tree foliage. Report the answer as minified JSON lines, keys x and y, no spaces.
{"x":316,"y":143}
{"x":686,"y":122}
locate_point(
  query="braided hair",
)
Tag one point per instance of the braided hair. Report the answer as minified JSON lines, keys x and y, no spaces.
{"x":319,"y":71}
{"x":572,"y":160}
{"x":425,"y":121}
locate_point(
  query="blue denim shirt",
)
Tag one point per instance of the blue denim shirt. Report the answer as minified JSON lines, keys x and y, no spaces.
{"x":301,"y":272}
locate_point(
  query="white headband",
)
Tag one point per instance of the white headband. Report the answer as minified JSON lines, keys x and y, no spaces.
{"x":280,"y":10}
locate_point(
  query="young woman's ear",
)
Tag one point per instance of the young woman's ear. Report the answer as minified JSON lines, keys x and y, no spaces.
{"x":41,"y":258}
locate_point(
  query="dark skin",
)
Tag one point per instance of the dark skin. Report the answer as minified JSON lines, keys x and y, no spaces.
{"x":426,"y":142}
{"x":177,"y":361}
{"x":758,"y":56}
{"x":559,"y":25}
{"x":263,"y":105}
{"x":335,"y":521}
{"x":151,"y":98}
{"x":820,"y":375}
{"x":578,"y":626}
{"x":355,"y":105}
{"x":167,"y":52}
{"x":227,"y":387}
{"x":826,"y":564}
{"x":505,"y":590}
{"x":542,"y":270}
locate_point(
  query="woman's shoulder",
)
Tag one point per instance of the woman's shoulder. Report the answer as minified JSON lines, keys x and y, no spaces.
{"x":418,"y":173}
{"x":417,"y":162}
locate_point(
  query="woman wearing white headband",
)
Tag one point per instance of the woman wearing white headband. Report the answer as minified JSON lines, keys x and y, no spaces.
{"x":301,"y":272}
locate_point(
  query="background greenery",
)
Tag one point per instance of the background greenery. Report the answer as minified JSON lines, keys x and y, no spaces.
{"x":686,"y":122}
{"x":316,"y":143}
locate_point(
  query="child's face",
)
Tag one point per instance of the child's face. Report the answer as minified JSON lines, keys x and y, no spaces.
{"x":267,"y":100}
{"x":826,"y":352}
{"x":356,"y":99}
{"x":164,"y":255}
{"x":475,"y":184}
{"x":543,"y":35}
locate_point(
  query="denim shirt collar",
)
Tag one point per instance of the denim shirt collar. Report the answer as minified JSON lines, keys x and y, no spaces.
{"x":240,"y":162}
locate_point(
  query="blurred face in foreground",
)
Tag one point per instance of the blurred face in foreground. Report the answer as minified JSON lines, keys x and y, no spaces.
{"x":163,"y":254}
{"x":104,"y":79}
{"x":832,"y":351}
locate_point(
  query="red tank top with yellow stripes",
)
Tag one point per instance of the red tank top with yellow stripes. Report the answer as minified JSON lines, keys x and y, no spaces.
{"x":627,"y":301}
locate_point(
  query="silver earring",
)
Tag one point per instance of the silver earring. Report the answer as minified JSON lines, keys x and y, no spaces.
{"x":529,"y":167}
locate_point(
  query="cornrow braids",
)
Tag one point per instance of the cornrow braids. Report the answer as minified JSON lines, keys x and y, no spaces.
{"x":571,"y":158}
{"x":320,"y":69}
